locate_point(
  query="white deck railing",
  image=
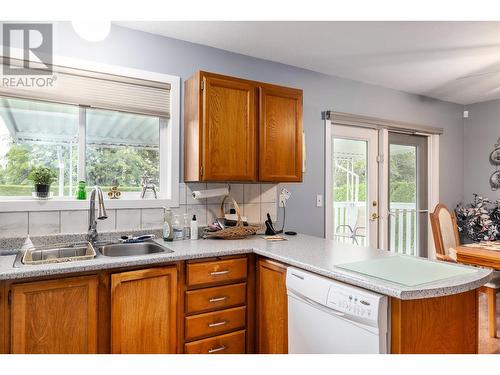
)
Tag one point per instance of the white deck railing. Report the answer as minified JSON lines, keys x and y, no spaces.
{"x":402,"y":221}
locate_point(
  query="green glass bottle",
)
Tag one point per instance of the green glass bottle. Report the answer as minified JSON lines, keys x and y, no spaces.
{"x":81,"y":191}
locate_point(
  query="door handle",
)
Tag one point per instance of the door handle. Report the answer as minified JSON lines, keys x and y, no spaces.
{"x":374,"y":216}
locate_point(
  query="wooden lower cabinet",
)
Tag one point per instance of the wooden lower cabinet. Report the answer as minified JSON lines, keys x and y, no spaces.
{"x":272,"y":308}
{"x":439,"y":325}
{"x":55,"y":316}
{"x":144,"y":311}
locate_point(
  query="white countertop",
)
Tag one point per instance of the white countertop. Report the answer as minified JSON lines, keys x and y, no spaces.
{"x":310,"y":253}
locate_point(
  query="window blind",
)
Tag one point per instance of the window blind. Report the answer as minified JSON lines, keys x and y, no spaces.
{"x":89,"y":88}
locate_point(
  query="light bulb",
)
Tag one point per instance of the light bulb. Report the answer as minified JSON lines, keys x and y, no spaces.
{"x":93,"y":31}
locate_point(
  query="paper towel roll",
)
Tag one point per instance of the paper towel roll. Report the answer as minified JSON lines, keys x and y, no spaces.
{"x":201,"y":194}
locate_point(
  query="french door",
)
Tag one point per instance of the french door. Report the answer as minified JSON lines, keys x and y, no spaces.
{"x":352,"y":186}
{"x":408,"y":210}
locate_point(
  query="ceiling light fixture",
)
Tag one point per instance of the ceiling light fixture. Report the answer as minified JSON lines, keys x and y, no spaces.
{"x":92,"y":31}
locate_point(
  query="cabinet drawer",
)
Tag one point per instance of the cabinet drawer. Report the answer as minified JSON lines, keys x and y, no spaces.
{"x":216,"y":271}
{"x":230,"y":343}
{"x":214,"y":323}
{"x":216,"y":298}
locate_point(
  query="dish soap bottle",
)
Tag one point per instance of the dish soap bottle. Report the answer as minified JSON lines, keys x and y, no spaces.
{"x":168,"y":232}
{"x":187,"y":228}
{"x":177,"y":228}
{"x":194,"y":228}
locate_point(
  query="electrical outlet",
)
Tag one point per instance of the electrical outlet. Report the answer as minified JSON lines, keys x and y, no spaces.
{"x":284,"y":196}
{"x":319,"y":200}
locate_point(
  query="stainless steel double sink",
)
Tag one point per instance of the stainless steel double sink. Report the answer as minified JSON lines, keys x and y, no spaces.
{"x":77,"y":252}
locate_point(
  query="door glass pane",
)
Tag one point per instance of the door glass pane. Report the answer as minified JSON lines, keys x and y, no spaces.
{"x":403,"y":199}
{"x":350,"y":208}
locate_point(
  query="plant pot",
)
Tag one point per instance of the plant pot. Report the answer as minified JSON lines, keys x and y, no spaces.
{"x":42,"y":191}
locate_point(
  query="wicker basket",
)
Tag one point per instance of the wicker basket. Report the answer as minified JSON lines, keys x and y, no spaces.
{"x":233,"y":233}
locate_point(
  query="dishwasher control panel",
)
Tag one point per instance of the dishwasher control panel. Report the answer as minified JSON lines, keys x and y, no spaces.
{"x":354,"y":301}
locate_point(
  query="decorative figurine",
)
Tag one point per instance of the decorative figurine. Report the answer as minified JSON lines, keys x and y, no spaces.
{"x":147,"y":185}
{"x":114,"y":193}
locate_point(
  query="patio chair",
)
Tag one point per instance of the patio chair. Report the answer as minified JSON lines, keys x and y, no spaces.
{"x":354,"y":226}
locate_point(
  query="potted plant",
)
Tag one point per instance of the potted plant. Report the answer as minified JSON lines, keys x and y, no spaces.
{"x":42,"y":178}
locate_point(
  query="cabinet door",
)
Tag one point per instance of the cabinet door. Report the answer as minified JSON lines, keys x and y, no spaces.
{"x":272,"y":308}
{"x":229,"y":130}
{"x":144,"y":311}
{"x":280,"y":134}
{"x":55,"y":316}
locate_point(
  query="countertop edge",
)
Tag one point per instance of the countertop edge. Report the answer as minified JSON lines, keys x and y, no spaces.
{"x":400,"y":292}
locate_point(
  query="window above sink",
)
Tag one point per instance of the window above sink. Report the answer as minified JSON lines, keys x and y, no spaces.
{"x":103,"y":146}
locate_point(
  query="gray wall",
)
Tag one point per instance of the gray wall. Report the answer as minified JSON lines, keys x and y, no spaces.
{"x":481,"y":131}
{"x":321,"y":92}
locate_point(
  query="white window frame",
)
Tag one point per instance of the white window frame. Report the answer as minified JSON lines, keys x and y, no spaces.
{"x":169,"y":149}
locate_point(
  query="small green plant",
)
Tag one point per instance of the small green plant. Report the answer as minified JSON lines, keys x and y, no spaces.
{"x":41,"y":175}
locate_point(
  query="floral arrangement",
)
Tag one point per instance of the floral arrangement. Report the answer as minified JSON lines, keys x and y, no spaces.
{"x":479,"y":220}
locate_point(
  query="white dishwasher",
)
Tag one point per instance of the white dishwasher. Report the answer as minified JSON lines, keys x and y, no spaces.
{"x":327,"y":316}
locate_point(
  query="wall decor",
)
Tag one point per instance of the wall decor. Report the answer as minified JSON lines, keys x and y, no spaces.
{"x":495,"y":160}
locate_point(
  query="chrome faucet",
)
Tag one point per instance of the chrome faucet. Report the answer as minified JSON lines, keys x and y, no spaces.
{"x":92,"y":233}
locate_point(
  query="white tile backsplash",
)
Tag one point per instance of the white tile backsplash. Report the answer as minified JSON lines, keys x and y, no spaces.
{"x":152,"y":218}
{"x":44,"y":222}
{"x":182,"y":193}
{"x":255,"y":200}
{"x":268,"y":193}
{"x":128,"y":219}
{"x":13,"y":224}
{"x":252,"y":212}
{"x":251,"y":193}
{"x":236,"y":191}
{"x":75,"y":221}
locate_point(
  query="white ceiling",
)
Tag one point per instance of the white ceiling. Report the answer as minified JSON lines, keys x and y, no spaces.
{"x":426,"y":58}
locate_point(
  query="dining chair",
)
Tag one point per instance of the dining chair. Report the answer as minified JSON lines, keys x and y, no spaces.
{"x":446,"y":239}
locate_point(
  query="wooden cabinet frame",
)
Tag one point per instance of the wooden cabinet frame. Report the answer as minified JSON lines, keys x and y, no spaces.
{"x":260,"y":161}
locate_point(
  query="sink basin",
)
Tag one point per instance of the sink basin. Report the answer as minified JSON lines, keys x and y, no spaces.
{"x":55,"y":253}
{"x":131,"y":249}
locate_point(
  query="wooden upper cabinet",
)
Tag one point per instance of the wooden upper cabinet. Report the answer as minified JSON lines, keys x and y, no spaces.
{"x":55,"y":316}
{"x":229,"y":131}
{"x":221,"y":138}
{"x":241,"y":130}
{"x":280,"y":134}
{"x":272,"y":308}
{"x":144,"y":311}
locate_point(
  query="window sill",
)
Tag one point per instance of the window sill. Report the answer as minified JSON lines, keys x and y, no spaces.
{"x":63,"y":204}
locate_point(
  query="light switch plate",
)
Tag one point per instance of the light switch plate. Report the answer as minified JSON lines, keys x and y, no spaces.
{"x":319,"y":200}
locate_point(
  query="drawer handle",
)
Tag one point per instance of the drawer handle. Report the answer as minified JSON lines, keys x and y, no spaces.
{"x":217,"y":273}
{"x":218,"y":324}
{"x":217,"y":299}
{"x":215,"y":350}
